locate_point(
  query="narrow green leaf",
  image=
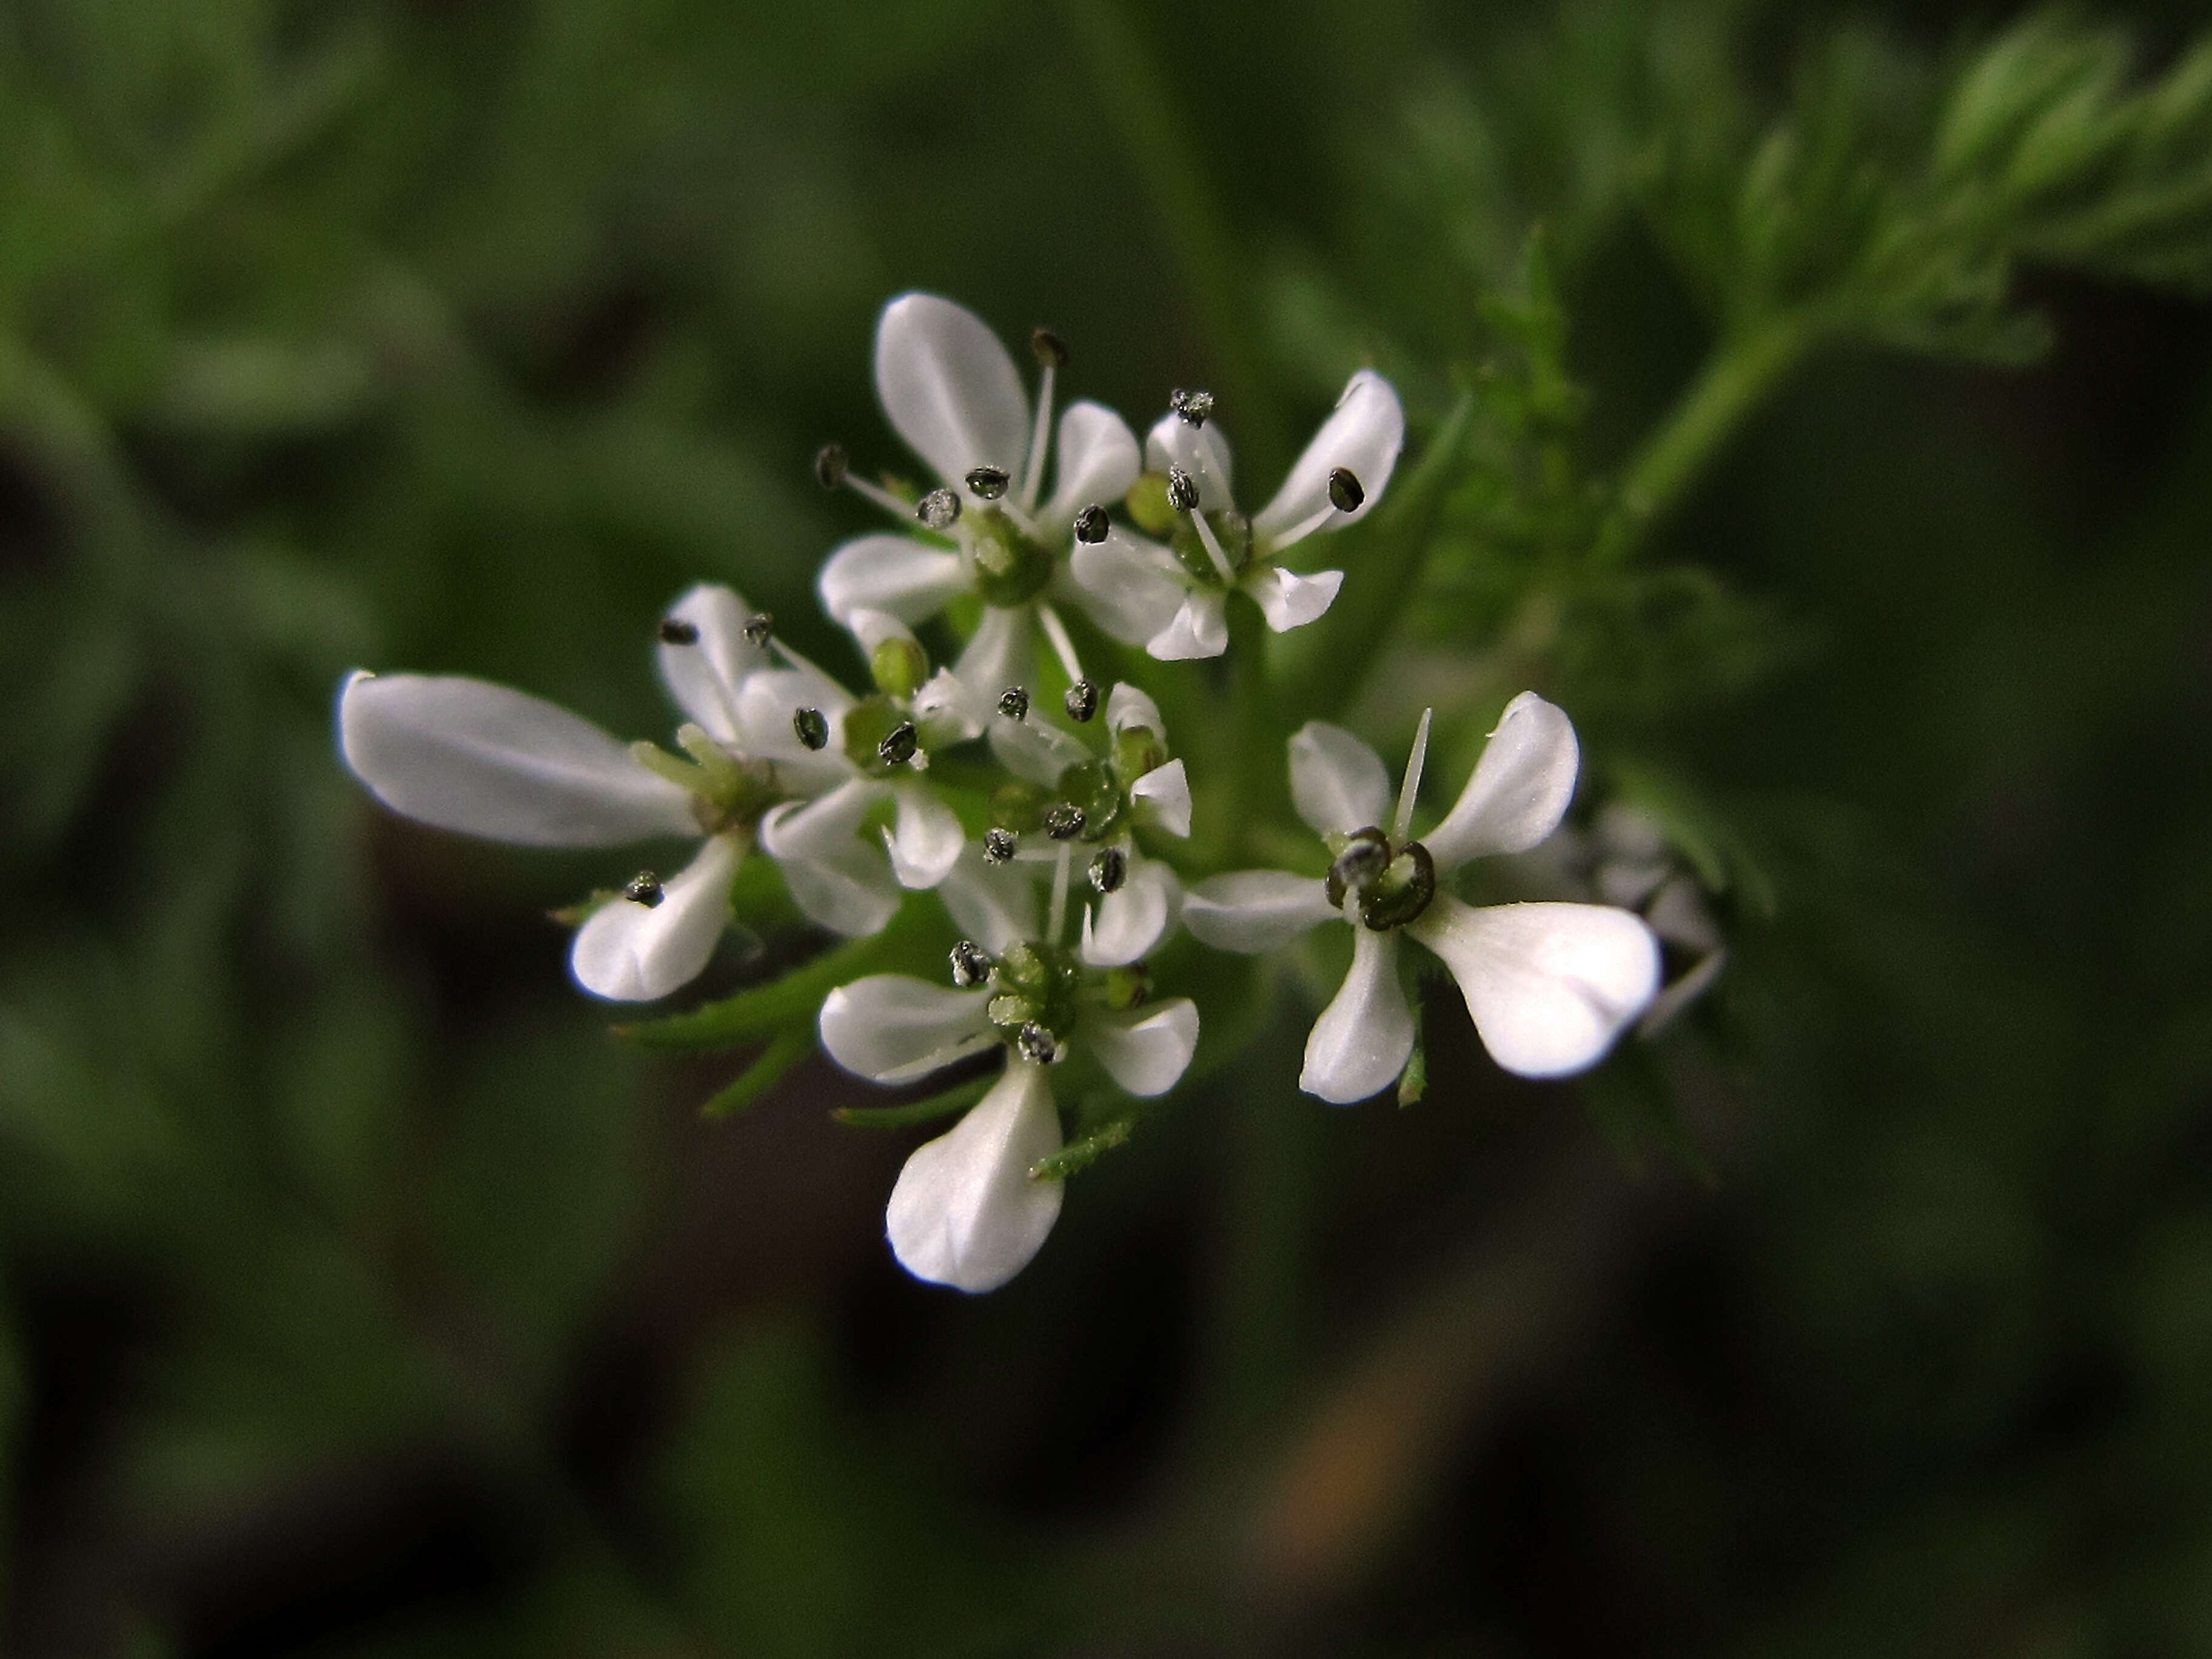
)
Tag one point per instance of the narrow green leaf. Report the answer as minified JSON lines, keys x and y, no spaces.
{"x":1079,"y":1155}
{"x":783,"y":1051}
{"x":958,"y":1098}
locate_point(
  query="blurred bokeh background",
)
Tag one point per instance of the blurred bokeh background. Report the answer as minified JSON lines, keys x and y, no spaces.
{"x":359,"y":1295}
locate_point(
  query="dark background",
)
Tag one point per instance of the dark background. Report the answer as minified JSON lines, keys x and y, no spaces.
{"x":358,"y":1295}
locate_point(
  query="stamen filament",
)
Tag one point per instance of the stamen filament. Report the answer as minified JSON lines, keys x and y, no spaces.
{"x":1212,"y":545}
{"x":1040,"y":435}
{"x":1058,"y":912}
{"x":1412,"y":787}
{"x":902,"y":511}
{"x":1063,"y":647}
{"x":1303,"y":528}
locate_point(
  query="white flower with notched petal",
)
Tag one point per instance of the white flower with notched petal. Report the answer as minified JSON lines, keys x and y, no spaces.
{"x":1172,"y":600}
{"x":972,"y":1206}
{"x":464,"y":755}
{"x":1549,"y":985}
{"x":951,"y":390}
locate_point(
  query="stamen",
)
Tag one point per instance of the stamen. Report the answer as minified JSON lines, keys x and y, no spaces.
{"x":970,"y":965}
{"x":1195,"y":407}
{"x":1014,"y":702}
{"x":1412,"y":787}
{"x":1182,"y":490}
{"x":988,"y":481}
{"x":998,"y":845}
{"x":811,"y":727}
{"x":938,"y":509}
{"x":1063,"y":647}
{"x":1214,"y":548}
{"x":1052,"y":356}
{"x":1064,"y":821}
{"x":881,"y":496}
{"x":1036,"y":1044}
{"x":674,"y":630}
{"x":1058,"y":913}
{"x":899,"y":745}
{"x":1082,"y":701}
{"x":644,"y":888}
{"x":758,"y":627}
{"x":830,"y":463}
{"x":1110,"y":868}
{"x":1091,"y":525}
{"x":1303,"y":528}
{"x":1345,"y":492}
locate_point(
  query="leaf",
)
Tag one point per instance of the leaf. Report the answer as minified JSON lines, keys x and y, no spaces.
{"x":958,"y":1098}
{"x":783,"y":1051}
{"x":1080,"y":1154}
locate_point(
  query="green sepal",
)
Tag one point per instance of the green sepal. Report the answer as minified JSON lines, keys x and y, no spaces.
{"x":1414,"y":1081}
{"x":958,"y":1098}
{"x":784,"y":1051}
{"x":1079,"y":1155}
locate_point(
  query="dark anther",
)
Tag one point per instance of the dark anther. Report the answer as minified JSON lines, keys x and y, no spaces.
{"x":758,"y":627}
{"x":988,"y":481}
{"x":1051,"y":350}
{"x":938,"y":509}
{"x":1345,"y":492}
{"x":998,"y":845}
{"x":1194,"y":406}
{"x":1182,"y":490}
{"x":1091,"y":526}
{"x":970,"y":966}
{"x":1358,"y":864}
{"x":899,"y":744}
{"x":1110,"y":868}
{"x":1036,"y":1044}
{"x":829,"y":463}
{"x":1014,"y":703}
{"x":644,"y":888}
{"x":1063,"y":821}
{"x":811,"y":727}
{"x":674,"y":630}
{"x":1082,"y":701}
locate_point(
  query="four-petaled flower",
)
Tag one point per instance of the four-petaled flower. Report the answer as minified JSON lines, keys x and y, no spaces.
{"x":1172,"y":600}
{"x":1549,"y":985}
{"x":951,"y":390}
{"x":972,"y":1206}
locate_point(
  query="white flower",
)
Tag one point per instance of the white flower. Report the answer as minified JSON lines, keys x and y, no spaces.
{"x":1171,"y":599}
{"x":951,"y":390}
{"x":465,"y":755}
{"x":969,"y":1209}
{"x":1139,"y":900}
{"x":1549,"y":985}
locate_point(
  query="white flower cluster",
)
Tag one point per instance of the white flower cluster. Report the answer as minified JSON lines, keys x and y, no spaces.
{"x":776,"y":757}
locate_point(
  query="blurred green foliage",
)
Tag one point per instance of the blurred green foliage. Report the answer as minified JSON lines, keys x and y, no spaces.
{"x":1837,"y":452}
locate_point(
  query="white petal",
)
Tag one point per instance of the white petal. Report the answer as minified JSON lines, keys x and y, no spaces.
{"x":1147,"y":1051}
{"x":466,"y":755}
{"x":1549,"y":985}
{"x":1002,"y":653}
{"x":1199,"y":629}
{"x":1134,"y":918}
{"x":1035,"y":749}
{"x":909,"y":579}
{"x":964,"y":1212}
{"x":1165,"y":792}
{"x":1362,"y":436}
{"x":874,"y":628}
{"x":1337,"y":782}
{"x":994,"y":904}
{"x":629,"y":953}
{"x":1629,"y":883}
{"x":767,"y":703}
{"x":1129,"y":586}
{"x":704,"y":676}
{"x":1201,"y":451}
{"x":895,"y":1028}
{"x":1520,"y":789}
{"x":1098,"y":463}
{"x":838,"y":880}
{"x":948,"y":708}
{"x":1128,"y":708}
{"x":950,"y":388}
{"x":1291,"y":601}
{"x":1365,"y":1036}
{"x":926,"y":838}
{"x":1255,"y":910}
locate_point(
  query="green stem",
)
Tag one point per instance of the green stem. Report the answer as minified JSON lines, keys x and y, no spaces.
{"x":1738,"y":375}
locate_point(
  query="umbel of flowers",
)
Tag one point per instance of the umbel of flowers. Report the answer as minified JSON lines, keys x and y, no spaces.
{"x":1051,"y":838}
